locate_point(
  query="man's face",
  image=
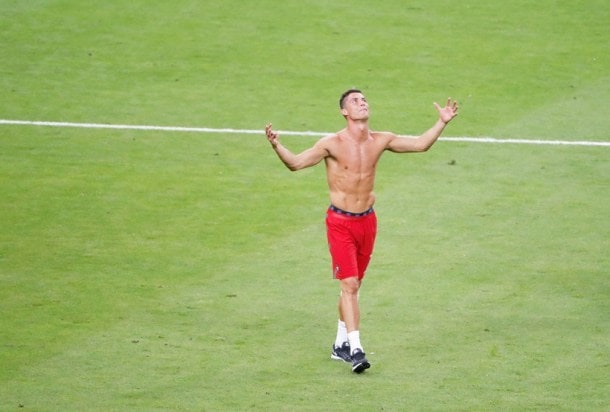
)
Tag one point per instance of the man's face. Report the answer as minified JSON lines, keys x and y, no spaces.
{"x":355,"y":107}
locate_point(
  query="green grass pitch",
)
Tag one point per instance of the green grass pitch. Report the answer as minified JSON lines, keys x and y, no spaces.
{"x":159,"y":270}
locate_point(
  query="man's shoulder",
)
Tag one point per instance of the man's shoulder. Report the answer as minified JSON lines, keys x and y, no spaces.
{"x":330,"y":138}
{"x":382,"y":135}
{"x":338,"y":135}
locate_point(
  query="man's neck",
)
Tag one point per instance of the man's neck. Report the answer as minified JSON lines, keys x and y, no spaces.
{"x":358,"y":130}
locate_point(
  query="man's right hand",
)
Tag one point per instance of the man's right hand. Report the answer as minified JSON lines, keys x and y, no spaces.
{"x":271,"y":135}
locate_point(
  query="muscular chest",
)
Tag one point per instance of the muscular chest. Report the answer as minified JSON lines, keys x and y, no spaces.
{"x":358,"y":157}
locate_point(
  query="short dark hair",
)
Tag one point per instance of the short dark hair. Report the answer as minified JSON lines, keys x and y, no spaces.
{"x":345,"y":94}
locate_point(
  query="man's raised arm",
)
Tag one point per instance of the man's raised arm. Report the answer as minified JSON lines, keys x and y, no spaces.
{"x":307,"y":158}
{"x":404,"y":144}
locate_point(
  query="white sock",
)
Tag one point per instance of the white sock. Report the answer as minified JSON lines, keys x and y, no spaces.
{"x":341,"y":333}
{"x":354,"y":340}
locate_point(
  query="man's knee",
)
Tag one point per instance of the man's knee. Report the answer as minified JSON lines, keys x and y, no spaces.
{"x":350,"y":285}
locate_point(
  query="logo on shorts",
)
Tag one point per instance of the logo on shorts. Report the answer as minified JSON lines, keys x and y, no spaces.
{"x":336,"y":271}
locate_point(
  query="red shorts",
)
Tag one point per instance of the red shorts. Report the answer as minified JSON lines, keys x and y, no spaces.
{"x":351,"y":237}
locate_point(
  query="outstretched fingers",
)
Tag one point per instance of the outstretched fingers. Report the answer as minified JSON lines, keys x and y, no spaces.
{"x":449,"y":111}
{"x":454,"y":106}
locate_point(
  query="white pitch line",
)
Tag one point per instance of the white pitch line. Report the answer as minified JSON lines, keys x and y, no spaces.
{"x":285,"y":132}
{"x":527,"y":141}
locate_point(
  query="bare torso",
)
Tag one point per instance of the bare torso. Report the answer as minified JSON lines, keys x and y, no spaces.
{"x":351,"y":167}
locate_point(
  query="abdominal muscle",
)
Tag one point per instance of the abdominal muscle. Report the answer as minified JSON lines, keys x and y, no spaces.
{"x":350,"y":171}
{"x":351,"y":192}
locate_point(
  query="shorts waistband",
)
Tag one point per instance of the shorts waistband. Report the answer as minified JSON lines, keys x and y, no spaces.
{"x":346,"y":213}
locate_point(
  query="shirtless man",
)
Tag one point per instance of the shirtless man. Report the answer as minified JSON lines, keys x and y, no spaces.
{"x":351,"y":157}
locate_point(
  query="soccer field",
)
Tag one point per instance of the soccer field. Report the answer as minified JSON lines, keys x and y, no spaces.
{"x":180,"y":266}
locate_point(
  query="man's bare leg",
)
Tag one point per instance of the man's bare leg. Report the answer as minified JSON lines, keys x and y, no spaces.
{"x":349,"y":320}
{"x":350,"y":312}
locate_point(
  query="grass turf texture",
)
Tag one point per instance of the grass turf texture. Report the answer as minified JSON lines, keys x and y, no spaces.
{"x":169,"y":271}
